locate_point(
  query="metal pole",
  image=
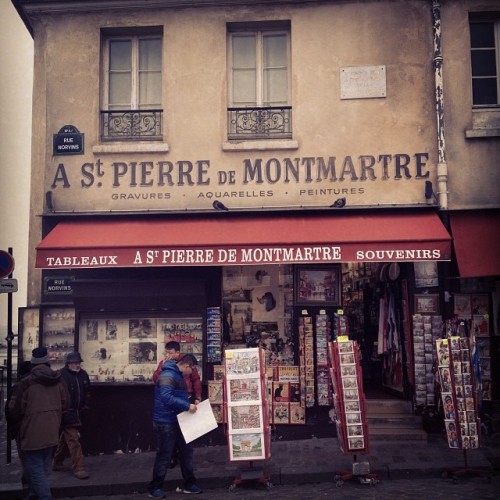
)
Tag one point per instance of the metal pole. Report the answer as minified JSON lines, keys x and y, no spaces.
{"x":10,"y":338}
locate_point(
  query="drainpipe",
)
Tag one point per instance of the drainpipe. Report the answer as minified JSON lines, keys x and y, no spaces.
{"x":442,"y":166}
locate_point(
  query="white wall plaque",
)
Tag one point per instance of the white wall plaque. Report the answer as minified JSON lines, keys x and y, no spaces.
{"x":362,"y":82}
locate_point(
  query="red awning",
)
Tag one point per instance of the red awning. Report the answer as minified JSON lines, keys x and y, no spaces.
{"x":476,"y":239}
{"x":244,"y":241}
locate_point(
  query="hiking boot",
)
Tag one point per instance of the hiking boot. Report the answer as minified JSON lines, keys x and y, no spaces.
{"x":82,"y":474}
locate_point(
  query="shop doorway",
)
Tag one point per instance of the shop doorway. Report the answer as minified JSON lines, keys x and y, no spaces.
{"x":374,"y":304}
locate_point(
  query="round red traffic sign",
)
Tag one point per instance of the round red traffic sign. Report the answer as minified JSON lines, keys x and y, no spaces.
{"x":6,"y":263}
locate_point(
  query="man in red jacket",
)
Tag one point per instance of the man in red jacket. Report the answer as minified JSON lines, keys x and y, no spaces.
{"x":193,"y":382}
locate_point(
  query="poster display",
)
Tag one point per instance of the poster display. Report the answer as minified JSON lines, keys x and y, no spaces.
{"x":124,"y":349}
{"x":348,"y":397}
{"x":458,"y":393}
{"x":245,"y":405}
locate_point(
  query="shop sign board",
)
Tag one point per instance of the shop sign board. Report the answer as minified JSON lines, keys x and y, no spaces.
{"x":68,"y":141}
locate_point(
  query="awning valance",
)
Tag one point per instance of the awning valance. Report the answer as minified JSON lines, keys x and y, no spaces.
{"x":476,"y":239}
{"x":244,"y":241}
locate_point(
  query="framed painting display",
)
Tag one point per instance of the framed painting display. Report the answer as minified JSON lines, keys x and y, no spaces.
{"x":247,"y":418}
{"x":243,"y":390}
{"x":426,"y":274}
{"x":317,"y":285}
{"x":427,"y":303}
{"x":462,"y":305}
{"x":248,"y":446}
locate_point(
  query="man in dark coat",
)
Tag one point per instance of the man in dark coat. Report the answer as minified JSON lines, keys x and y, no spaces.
{"x":78,"y":383}
{"x":37,"y":403}
{"x":13,"y":427}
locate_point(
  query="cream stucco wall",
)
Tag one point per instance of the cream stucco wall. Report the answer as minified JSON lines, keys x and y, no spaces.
{"x":325,"y":37}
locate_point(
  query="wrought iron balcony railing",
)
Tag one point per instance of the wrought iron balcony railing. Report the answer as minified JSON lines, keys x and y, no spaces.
{"x":132,"y":125}
{"x":266,"y":122}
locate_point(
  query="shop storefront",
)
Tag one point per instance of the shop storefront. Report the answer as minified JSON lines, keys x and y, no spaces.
{"x":118,"y":289}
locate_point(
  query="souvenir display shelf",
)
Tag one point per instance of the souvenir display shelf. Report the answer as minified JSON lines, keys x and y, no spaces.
{"x":458,"y":393}
{"x":214,"y":335}
{"x":306,"y":357}
{"x":472,"y":315}
{"x":323,"y":336}
{"x":461,"y":419}
{"x":426,"y":330}
{"x":348,"y":398}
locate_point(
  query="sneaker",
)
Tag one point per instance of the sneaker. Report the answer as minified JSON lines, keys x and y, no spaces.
{"x":191,"y":489}
{"x":82,"y":474}
{"x":157,"y":493}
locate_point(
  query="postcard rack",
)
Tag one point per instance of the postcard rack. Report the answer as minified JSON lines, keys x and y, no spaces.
{"x":246,"y":414}
{"x":458,"y":394}
{"x":350,"y":408}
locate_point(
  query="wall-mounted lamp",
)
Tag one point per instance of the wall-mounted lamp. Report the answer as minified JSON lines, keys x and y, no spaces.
{"x":219,"y":205}
{"x":430,"y":196}
{"x":339,"y":203}
{"x":49,"y":203}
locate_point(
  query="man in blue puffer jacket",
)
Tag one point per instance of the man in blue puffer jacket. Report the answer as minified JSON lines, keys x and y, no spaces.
{"x":171,"y":398}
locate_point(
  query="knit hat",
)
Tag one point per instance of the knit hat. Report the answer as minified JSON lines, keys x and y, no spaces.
{"x":74,"y":357}
{"x":39,"y":356}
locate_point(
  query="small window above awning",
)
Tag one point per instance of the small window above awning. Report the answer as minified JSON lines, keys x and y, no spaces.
{"x":244,"y":241}
{"x":476,"y":239}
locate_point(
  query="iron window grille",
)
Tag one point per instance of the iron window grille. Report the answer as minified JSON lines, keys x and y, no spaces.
{"x":132,"y":125}
{"x":260,"y":122}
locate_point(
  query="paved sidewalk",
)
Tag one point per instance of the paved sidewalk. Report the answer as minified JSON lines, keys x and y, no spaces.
{"x":292,"y":462}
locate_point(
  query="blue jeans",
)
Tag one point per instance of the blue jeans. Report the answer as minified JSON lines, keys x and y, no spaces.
{"x":37,"y":466}
{"x":169,"y":436}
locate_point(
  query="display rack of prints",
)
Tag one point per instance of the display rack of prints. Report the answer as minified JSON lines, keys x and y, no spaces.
{"x":245,"y":405}
{"x":426,"y":330}
{"x":306,"y":357}
{"x":458,"y":393}
{"x":128,"y":349}
{"x":348,"y":398}
{"x":323,"y":334}
{"x":214,"y":335}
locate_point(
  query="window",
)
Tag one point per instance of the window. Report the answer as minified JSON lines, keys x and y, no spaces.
{"x":485,"y":61}
{"x":259,"y":87}
{"x":132,"y":93}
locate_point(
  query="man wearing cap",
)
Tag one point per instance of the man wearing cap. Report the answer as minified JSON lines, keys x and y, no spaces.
{"x":171,"y":398}
{"x":78,"y":383}
{"x":37,"y":403}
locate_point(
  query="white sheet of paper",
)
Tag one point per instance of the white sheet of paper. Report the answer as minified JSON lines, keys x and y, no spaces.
{"x":194,"y":425}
